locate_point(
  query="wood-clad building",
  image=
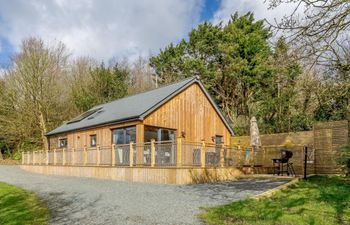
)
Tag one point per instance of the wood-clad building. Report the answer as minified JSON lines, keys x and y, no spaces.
{"x":174,"y":134}
{"x":182,"y":109}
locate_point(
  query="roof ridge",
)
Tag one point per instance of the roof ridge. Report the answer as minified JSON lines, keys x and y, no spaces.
{"x":189,"y":82}
{"x":175,"y":82}
{"x":145,"y":103}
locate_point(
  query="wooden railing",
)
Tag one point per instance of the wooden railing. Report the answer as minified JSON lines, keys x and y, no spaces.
{"x":166,"y":153}
{"x":177,"y":153}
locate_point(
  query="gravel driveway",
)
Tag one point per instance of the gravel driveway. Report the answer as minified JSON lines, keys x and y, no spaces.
{"x":74,"y":200}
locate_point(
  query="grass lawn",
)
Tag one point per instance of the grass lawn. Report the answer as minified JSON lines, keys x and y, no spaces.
{"x":18,"y":206}
{"x":320,"y":200}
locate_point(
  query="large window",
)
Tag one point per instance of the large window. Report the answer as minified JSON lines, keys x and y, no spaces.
{"x":62,"y":143}
{"x":159,"y":134}
{"x":124,"y":135}
{"x":164,"y":153}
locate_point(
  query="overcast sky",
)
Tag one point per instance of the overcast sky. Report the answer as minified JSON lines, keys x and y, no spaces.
{"x":114,"y":28}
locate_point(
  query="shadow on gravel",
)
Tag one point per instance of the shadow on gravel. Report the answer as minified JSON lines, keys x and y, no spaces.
{"x":61,"y":205}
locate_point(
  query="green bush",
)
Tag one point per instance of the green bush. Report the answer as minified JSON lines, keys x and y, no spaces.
{"x":16,"y":155}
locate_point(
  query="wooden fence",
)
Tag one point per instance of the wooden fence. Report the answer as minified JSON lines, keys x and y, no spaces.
{"x":328,"y":138}
{"x":263,"y":157}
{"x":323,"y":142}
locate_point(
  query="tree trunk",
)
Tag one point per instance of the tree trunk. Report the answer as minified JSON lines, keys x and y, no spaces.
{"x":43,"y":130}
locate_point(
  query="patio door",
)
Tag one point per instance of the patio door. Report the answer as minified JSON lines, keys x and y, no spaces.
{"x":165,"y":146}
{"x":122,"y":137}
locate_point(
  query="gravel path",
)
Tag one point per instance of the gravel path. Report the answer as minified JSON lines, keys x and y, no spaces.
{"x":74,"y":200}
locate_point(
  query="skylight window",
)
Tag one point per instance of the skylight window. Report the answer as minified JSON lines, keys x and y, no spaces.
{"x":95,"y":114}
{"x":83,"y":116}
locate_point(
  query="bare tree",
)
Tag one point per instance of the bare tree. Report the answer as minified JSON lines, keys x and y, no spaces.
{"x":337,"y":59}
{"x":141,"y":76}
{"x":32,"y":98}
{"x":80,"y":80}
{"x":314,"y":24}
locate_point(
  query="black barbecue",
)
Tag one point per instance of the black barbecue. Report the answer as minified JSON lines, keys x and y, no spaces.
{"x":282,"y":165}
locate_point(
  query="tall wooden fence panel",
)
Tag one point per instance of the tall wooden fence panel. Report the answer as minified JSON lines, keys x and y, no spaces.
{"x":323,"y":143}
{"x":328,"y":137}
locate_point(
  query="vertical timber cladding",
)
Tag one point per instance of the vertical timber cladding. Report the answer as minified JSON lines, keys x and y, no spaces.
{"x":190,"y":111}
{"x":328,"y":137}
{"x":78,"y":139}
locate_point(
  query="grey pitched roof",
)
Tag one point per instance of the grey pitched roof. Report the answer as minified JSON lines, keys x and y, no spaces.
{"x":135,"y":107}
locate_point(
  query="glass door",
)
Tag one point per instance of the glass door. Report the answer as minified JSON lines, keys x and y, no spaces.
{"x":122,"y":137}
{"x":165,"y":146}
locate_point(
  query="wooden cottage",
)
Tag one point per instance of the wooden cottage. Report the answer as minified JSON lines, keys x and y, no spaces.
{"x":176,"y":125}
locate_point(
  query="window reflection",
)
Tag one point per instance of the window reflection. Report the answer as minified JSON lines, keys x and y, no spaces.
{"x":93,"y":140}
{"x":124,"y":135}
{"x":158,"y":134}
{"x":62,"y":143}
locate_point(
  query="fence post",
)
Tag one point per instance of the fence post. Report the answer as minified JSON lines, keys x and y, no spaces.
{"x":153,"y":153}
{"x":22,"y":157}
{"x":28,"y":158}
{"x":305,"y":162}
{"x":73,"y":156}
{"x":40,"y":157}
{"x":179,"y":152}
{"x":131,"y":154}
{"x":33,"y":155}
{"x":222,"y":156}
{"x":63,"y":156}
{"x":239,"y":154}
{"x":264,"y":155}
{"x":252,"y":156}
{"x":85,"y":156}
{"x":98,"y":155}
{"x":47,"y":157}
{"x":113,"y":154}
{"x":203,"y":154}
{"x":54,"y":157}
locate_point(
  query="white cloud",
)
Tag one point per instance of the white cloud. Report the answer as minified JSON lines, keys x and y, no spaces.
{"x":2,"y":72}
{"x":258,"y":7}
{"x":100,"y":28}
